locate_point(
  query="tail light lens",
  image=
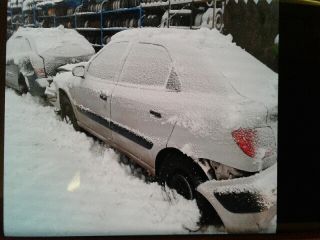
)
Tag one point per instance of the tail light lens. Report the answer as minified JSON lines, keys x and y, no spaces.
{"x":256,"y":143}
{"x":246,"y":139}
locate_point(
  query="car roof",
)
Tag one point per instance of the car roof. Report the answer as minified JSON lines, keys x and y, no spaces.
{"x":44,"y":39}
{"x":172,"y":38}
{"x":31,"y":33}
{"x":206,"y":60}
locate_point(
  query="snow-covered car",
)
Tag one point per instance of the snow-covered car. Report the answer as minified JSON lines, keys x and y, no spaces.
{"x":34,"y":54}
{"x":191,"y":107}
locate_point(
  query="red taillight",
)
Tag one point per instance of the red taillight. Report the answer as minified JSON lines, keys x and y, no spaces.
{"x":40,"y":72}
{"x":246,"y":138}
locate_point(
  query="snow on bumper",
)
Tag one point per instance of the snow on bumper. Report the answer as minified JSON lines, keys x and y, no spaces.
{"x":245,"y":204}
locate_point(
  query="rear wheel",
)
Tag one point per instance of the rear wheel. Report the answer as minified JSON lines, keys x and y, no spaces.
{"x":181,"y":173}
{"x":67,"y":113}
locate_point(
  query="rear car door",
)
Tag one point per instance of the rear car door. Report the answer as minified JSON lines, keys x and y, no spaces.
{"x":139,"y":103}
{"x":92,"y":93}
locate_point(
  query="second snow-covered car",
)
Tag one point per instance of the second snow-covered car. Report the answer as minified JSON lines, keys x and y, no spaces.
{"x":192,"y":108}
{"x":34,"y":54}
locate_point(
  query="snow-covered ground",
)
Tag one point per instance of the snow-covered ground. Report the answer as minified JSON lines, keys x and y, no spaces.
{"x":61,"y":182}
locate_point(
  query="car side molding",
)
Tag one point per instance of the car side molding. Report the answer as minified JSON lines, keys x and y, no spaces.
{"x":115,"y":127}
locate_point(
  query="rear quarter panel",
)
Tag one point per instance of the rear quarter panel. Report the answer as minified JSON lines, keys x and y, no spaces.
{"x":203,"y":127}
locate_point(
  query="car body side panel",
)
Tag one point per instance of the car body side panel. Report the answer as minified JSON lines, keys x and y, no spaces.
{"x":204,"y":126}
{"x":224,"y":151}
{"x":92,"y":110}
{"x":145,"y":134}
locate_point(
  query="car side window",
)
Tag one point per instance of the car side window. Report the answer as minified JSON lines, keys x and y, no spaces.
{"x":147,"y":64}
{"x":107,"y":63}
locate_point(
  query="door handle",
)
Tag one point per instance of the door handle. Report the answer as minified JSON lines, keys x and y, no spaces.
{"x":103,"y":96}
{"x":155,"y":114}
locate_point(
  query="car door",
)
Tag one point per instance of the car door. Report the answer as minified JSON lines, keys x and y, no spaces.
{"x":92,"y":93}
{"x":18,"y":50}
{"x":139,"y":104}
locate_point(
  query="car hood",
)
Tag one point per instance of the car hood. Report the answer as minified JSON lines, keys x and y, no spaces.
{"x":69,"y":67}
{"x":52,"y":63}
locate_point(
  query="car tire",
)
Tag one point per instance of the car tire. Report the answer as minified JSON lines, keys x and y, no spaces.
{"x":218,"y":21}
{"x":181,"y":173}
{"x":67,"y":113}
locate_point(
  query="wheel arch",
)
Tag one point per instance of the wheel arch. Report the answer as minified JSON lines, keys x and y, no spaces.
{"x":199,"y":163}
{"x":62,"y":92}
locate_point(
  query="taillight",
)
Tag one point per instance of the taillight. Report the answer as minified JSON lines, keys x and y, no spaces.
{"x":40,"y":72}
{"x":246,"y":139}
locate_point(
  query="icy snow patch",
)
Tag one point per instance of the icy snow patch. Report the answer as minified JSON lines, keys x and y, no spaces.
{"x":43,"y":195}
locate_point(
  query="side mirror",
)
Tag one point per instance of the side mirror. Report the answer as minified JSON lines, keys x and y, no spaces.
{"x":78,"y":71}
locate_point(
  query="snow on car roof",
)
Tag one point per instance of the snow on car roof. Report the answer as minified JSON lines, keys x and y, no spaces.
{"x":53,"y":38}
{"x":207,"y":60}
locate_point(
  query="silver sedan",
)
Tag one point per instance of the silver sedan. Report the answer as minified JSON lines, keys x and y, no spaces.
{"x":192,"y":108}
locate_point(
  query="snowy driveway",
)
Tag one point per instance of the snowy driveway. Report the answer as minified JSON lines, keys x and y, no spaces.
{"x":61,"y":182}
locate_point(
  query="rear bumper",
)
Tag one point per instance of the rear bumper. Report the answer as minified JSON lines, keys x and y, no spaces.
{"x":245,"y":204}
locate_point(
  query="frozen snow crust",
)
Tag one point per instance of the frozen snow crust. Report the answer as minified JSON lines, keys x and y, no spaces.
{"x":61,"y":182}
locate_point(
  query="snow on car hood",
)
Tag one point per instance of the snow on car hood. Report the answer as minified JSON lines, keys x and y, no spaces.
{"x":69,"y":67}
{"x":65,"y":46}
{"x":61,"y":42}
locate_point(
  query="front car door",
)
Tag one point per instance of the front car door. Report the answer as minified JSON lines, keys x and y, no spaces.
{"x":92,"y":94}
{"x":140,"y":104}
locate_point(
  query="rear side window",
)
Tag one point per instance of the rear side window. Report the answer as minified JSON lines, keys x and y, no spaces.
{"x":107,"y":63}
{"x":147,"y":64}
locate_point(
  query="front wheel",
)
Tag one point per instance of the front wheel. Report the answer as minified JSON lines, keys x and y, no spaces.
{"x":181,"y":173}
{"x":67,"y":113}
